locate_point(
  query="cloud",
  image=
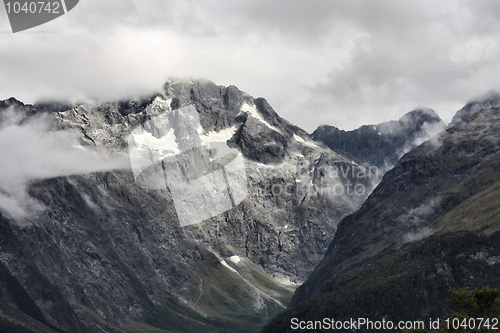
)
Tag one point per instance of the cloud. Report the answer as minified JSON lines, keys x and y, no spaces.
{"x":416,"y":220}
{"x":428,"y":132}
{"x":31,"y":150}
{"x":416,"y":236}
{"x":436,"y":57}
{"x":345,"y":63}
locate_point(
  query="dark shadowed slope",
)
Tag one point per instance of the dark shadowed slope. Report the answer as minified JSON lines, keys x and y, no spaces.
{"x":433,"y":222}
{"x":383,"y":145}
{"x":85,"y":249}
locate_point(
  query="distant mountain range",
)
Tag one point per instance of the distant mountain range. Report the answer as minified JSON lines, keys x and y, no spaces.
{"x":85,"y":249}
{"x":86,"y":246}
{"x":432,"y":223}
{"x":383,"y":145}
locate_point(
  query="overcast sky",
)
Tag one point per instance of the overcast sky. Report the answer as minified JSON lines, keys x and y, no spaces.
{"x":344,"y":63}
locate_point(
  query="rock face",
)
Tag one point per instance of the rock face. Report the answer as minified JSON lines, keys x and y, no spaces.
{"x":383,"y":145}
{"x":421,"y":231}
{"x":492,"y":99}
{"x":106,"y":254}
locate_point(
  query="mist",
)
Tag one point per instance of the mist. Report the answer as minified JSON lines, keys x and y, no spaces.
{"x":344,"y":63}
{"x":32,"y":149}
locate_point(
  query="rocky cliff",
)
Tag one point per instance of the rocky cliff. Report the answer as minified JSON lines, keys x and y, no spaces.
{"x":383,"y":145}
{"x":84,"y":248}
{"x":432,"y":223}
{"x":491,"y":99}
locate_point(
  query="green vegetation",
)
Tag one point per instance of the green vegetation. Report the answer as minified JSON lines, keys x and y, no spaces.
{"x":478,"y":312}
{"x":410,"y":283}
{"x":480,"y":303}
{"x":225,"y":304}
{"x":474,"y":204}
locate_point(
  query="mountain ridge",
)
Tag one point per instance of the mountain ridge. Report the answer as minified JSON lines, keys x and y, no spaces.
{"x":488,"y":100}
{"x":382,"y":145}
{"x":123,"y":261}
{"x":417,"y":166}
{"x":421,"y":231}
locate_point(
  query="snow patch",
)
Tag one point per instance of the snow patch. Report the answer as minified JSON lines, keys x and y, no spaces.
{"x":235,"y":259}
{"x":221,"y":136}
{"x":224,"y":263}
{"x":287,"y":282}
{"x":159,"y":105}
{"x":299,"y":139}
{"x":252,"y":109}
{"x":163,"y":147}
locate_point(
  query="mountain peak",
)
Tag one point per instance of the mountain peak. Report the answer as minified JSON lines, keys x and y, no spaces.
{"x":420,"y":115}
{"x":382,"y":145}
{"x":130,"y":238}
{"x":439,"y":204}
{"x":488,"y":100}
{"x":12,"y":101}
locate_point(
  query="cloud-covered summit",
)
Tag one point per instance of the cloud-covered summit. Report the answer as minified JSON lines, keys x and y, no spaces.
{"x":33,"y":149}
{"x":339,"y":62}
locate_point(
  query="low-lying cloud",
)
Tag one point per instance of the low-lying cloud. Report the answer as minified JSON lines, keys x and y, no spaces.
{"x":417,"y":220}
{"x":428,"y":132}
{"x":344,"y":63}
{"x":32,"y":149}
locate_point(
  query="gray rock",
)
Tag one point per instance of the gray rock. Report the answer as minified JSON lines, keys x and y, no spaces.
{"x":491,"y":99}
{"x":105,"y":249}
{"x":384,"y":144}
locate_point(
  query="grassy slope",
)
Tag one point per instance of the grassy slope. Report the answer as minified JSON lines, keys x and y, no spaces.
{"x":479,"y":197}
{"x":411,"y":281}
{"x":406,"y":284}
{"x":223,"y":306}
{"x":224,"y":302}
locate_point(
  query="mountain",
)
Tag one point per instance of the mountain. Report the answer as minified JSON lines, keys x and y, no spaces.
{"x":489,"y":100}
{"x":383,"y":145}
{"x":432,"y":223}
{"x":90,"y":243}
